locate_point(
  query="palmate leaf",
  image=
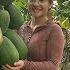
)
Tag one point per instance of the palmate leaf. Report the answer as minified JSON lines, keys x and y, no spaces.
{"x":61,"y":1}
{"x":20,"y":3}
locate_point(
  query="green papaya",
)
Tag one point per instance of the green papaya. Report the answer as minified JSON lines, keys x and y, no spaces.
{"x":18,"y":42}
{"x":6,"y":2}
{"x":8,"y":52}
{"x":16,"y":19}
{"x":1,"y":37}
{"x":4,"y":20}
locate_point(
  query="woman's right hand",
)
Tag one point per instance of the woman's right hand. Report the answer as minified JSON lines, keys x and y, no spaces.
{"x":17,"y":66}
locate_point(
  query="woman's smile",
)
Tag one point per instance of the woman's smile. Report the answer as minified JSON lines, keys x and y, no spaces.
{"x":36,"y":9}
{"x":39,"y":8}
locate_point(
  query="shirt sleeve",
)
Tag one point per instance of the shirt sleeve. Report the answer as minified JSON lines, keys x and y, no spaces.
{"x":55,"y":46}
{"x":23,"y":32}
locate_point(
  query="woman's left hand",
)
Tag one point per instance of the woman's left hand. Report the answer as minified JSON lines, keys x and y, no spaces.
{"x":17,"y":66}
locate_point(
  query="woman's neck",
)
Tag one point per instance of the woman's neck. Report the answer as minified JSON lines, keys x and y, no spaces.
{"x":38,"y":21}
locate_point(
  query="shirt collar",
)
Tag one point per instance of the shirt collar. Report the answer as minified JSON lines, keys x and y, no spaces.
{"x":40,"y":27}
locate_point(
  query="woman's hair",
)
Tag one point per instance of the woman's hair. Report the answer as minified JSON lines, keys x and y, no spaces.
{"x":50,"y":1}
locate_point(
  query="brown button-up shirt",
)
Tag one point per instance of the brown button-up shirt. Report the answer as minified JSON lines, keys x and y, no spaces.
{"x":45,"y":46}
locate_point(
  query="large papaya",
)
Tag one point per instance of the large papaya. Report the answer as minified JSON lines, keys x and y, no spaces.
{"x":16,"y":19}
{"x":4,"y":20}
{"x":6,"y":2}
{"x":18,"y":42}
{"x":1,"y":37}
{"x":8,"y":52}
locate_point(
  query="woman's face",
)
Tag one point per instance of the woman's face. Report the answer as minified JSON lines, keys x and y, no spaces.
{"x":38,"y":7}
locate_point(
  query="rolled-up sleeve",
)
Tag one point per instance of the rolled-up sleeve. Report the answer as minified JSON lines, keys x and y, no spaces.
{"x":54,"y":52}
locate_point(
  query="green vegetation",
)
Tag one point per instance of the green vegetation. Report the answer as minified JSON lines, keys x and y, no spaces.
{"x":16,"y":19}
{"x":18,"y":42}
{"x":8,"y":52}
{"x":4,"y":20}
{"x":12,"y":47}
{"x":6,"y":2}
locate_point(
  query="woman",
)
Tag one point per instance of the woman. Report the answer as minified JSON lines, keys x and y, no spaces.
{"x":44,"y":39}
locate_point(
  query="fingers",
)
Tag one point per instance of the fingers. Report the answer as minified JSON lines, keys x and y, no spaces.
{"x":4,"y":68}
{"x":19,"y":64}
{"x":8,"y":67}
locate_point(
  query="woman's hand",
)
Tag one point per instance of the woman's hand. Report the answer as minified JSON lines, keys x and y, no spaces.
{"x":17,"y":66}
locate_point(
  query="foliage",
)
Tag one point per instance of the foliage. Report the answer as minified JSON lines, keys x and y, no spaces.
{"x":22,"y":5}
